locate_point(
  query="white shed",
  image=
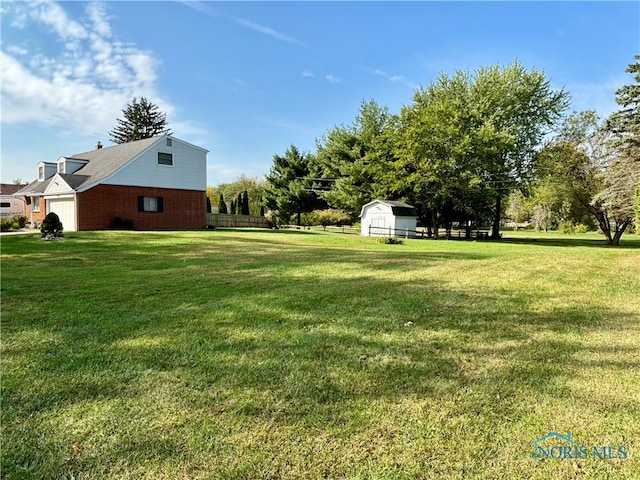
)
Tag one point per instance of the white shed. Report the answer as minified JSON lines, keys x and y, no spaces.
{"x":387,"y":218}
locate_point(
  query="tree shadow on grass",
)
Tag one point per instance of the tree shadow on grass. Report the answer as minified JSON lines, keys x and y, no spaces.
{"x":625,"y":242}
{"x":301,"y":353}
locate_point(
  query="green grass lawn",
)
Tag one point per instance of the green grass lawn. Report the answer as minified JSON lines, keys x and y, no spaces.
{"x":294,"y":354}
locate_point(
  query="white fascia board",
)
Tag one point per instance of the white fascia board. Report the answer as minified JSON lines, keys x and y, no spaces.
{"x":187,"y":143}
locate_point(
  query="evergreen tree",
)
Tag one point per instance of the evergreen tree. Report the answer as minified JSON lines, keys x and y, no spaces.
{"x":232,"y":207}
{"x":356,"y":159}
{"x":222,"y":206}
{"x":253,"y":185}
{"x":142,"y":119}
{"x":245,"y":203}
{"x":239,"y":205}
{"x":290,"y":189}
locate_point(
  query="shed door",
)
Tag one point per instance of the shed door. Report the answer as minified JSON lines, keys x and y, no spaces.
{"x":66,"y":211}
{"x":378,"y":226}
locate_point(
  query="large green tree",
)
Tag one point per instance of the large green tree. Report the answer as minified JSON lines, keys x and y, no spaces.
{"x":290,"y":185}
{"x":579,"y":162}
{"x":433,"y":138}
{"x":355,"y":159}
{"x":468,"y":139}
{"x":141,"y":119}
{"x":516,"y":108}
{"x":622,"y":173}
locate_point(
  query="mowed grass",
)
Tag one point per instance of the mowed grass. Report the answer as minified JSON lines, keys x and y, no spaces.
{"x":292,"y":354}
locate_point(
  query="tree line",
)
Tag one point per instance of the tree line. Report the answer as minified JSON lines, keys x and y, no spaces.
{"x":466,"y":149}
{"x":470,"y":149}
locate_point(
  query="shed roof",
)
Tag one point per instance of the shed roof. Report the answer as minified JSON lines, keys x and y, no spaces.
{"x":399,"y":209}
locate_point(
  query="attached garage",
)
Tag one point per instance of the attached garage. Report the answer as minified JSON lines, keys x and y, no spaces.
{"x":65,"y":208}
{"x":388,"y":218}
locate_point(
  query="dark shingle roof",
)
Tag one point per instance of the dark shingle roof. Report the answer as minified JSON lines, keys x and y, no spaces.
{"x":9,"y":188}
{"x":33,"y":188}
{"x":100,"y":164}
{"x":104,"y":161}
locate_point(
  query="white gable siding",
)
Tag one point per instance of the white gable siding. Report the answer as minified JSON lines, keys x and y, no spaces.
{"x":57,"y":186}
{"x":188,"y":172}
{"x":376,"y":220}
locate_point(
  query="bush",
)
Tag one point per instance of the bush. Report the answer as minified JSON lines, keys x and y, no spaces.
{"x":389,"y":241}
{"x":567,"y":227}
{"x":122,"y":223}
{"x":327,"y":217}
{"x":6,"y":224}
{"x":12,"y":223}
{"x":581,"y":228}
{"x":51,"y":226}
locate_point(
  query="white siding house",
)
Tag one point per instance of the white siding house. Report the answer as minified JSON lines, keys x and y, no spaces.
{"x":157,"y":183}
{"x":387,"y":218}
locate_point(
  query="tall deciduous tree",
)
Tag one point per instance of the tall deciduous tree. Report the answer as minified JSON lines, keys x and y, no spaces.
{"x":579,"y":162}
{"x":622,"y":175}
{"x":468,"y":139}
{"x":290,"y":185}
{"x":516,"y":107}
{"x":141,"y":119}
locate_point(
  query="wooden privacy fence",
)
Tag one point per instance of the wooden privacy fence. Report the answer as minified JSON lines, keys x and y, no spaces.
{"x":236,"y":221}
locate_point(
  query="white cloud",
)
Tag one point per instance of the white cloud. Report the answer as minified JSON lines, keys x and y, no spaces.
{"x":401,"y":79}
{"x":16,"y":50}
{"x":268,"y":31}
{"x":599,"y":97}
{"x":52,"y":14}
{"x":86,"y":84}
{"x":98,"y":17}
{"x":332,"y":78}
{"x":307,"y":73}
{"x":205,"y":9}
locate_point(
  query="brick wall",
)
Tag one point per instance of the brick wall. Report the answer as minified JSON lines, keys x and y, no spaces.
{"x":182,"y":209}
{"x":37,"y":216}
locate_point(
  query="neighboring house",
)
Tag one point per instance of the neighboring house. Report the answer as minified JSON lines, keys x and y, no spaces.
{"x":158,"y":183}
{"x":10,"y":205}
{"x":387,"y":218}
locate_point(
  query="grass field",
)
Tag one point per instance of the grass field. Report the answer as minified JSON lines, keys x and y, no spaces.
{"x":290,"y":354}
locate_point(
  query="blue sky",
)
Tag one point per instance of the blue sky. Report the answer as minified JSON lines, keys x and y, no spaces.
{"x":247,"y":79}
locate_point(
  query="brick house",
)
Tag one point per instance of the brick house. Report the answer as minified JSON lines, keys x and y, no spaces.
{"x":158,"y":183}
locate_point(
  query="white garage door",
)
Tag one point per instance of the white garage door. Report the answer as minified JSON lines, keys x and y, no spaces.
{"x":66,"y":211}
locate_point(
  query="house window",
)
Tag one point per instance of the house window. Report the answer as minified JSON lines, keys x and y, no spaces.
{"x":41,"y":173}
{"x":169,"y":142}
{"x":165,"y":158}
{"x":150,"y":204}
{"x":35,"y":204}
